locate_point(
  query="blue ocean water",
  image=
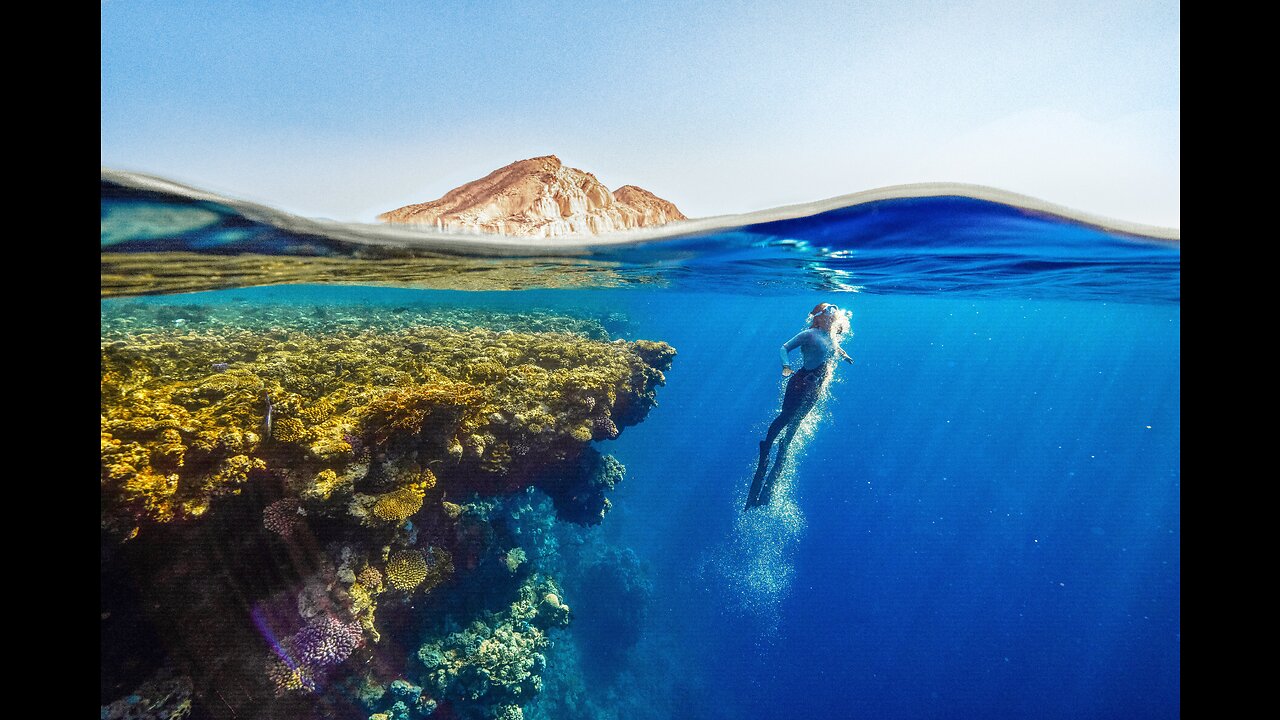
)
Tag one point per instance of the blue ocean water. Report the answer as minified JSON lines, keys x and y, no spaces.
{"x":982,"y":519}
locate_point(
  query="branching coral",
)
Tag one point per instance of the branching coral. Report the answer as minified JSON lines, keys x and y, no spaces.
{"x":283,"y":517}
{"x":286,"y":679}
{"x":324,"y":641}
{"x":489,"y":664}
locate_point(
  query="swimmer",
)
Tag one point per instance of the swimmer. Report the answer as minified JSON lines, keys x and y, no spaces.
{"x":820,"y":346}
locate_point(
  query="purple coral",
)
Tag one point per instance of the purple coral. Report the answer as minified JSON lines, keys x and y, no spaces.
{"x":283,"y":517}
{"x":604,"y":427}
{"x":357,"y":445}
{"x":326,"y":640}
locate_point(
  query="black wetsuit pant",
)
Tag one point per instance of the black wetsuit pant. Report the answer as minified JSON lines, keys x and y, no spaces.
{"x":801,"y":396}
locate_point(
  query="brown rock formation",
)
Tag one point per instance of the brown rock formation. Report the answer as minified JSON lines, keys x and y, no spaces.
{"x":538,"y":197}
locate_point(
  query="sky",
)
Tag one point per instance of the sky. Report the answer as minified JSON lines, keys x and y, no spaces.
{"x":343,"y":110}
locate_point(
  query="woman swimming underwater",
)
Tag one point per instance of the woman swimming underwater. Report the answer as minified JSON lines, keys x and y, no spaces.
{"x":819,"y":344}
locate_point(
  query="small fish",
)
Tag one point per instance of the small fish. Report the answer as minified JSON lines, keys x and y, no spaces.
{"x":267,"y":423}
{"x":221,"y":367}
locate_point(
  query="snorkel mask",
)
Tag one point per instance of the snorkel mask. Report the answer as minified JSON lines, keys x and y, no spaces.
{"x":831,"y":315}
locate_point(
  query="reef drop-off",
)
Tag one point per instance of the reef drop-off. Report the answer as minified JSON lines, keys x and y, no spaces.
{"x":329,"y":511}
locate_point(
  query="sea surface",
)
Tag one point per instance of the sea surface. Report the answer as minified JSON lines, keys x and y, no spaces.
{"x":980,"y":520}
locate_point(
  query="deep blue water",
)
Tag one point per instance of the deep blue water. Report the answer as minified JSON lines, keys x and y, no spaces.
{"x":988,"y":510}
{"x":990,"y":505}
{"x":984,"y":520}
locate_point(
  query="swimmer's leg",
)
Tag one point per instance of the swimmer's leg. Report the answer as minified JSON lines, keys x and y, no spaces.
{"x":766,"y":490}
{"x":801,"y":412}
{"x":787,"y":415}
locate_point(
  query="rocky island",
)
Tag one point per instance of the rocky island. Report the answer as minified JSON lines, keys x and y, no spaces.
{"x":539,"y":197}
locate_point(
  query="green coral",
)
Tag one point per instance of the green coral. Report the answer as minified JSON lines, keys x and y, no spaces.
{"x":500,"y":664}
{"x":513,"y":558}
{"x":497,"y":664}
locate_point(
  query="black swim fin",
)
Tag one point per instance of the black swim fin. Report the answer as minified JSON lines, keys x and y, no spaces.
{"x":766,"y":490}
{"x":753,"y":496}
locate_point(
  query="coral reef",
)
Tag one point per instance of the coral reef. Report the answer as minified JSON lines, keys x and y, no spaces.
{"x":494,"y":665}
{"x":406,"y":570}
{"x":514,"y":558}
{"x":579,"y":490}
{"x":381,"y":492}
{"x":286,"y":679}
{"x":495,"y":406}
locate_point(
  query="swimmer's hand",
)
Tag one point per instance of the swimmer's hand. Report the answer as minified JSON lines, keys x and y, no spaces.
{"x":848,"y":359}
{"x":786,"y":370}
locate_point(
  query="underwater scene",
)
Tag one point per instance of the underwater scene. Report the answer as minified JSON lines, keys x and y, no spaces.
{"x":355,"y":477}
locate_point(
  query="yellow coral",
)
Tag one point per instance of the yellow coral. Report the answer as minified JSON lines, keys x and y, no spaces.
{"x":289,"y":430}
{"x":477,"y":400}
{"x":317,"y":412}
{"x":323,"y":486}
{"x":406,"y":570}
{"x":363,"y":606}
{"x":399,"y":505}
{"x":287,"y":679}
{"x":331,"y":448}
{"x":405,"y":410}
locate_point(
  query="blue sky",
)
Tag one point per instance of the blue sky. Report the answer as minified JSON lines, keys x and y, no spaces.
{"x":346,"y":109}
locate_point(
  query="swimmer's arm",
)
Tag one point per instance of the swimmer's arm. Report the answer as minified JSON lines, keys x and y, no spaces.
{"x":787,"y":347}
{"x":844,"y":355}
